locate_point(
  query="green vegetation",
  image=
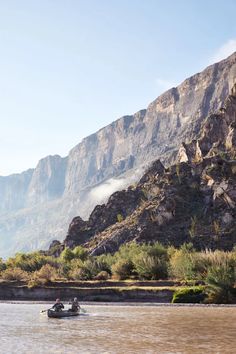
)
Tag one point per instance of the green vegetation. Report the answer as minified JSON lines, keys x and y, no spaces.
{"x":16,"y":274}
{"x":189,"y":295}
{"x":214,"y":270}
{"x":119,"y":217}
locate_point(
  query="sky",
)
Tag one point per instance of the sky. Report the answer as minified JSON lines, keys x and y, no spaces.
{"x":68,"y":68}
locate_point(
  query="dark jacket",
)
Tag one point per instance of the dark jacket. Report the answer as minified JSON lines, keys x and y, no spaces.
{"x":58,"y":306}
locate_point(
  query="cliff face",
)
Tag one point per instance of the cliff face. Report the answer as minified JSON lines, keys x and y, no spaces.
{"x":48,"y":180}
{"x":153,"y":133}
{"x":13,"y":191}
{"x":192,"y":201}
{"x":36,"y":205}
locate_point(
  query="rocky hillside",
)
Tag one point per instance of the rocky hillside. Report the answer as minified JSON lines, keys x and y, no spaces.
{"x":37,"y":204}
{"x":191,"y":201}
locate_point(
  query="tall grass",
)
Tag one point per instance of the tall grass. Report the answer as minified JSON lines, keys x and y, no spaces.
{"x":215,"y":269}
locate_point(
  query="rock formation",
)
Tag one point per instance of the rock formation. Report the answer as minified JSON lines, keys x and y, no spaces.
{"x":191,"y":201}
{"x":37,"y":204}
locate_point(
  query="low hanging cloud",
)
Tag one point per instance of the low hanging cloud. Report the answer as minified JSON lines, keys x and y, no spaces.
{"x":104,"y":190}
{"x":224,"y":51}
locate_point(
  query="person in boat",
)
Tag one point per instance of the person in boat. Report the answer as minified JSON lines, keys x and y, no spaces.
{"x":58,"y":306}
{"x":74,"y":305}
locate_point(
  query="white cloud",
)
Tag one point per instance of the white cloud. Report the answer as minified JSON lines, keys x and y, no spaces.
{"x":103,"y":191}
{"x":224,"y":51}
{"x":165,"y":84}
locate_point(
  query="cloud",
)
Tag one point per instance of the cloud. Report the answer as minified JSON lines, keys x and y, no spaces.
{"x":224,"y":51}
{"x":165,"y":84}
{"x":102,"y":192}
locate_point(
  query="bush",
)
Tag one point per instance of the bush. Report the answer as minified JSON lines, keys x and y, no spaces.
{"x":128,"y":251}
{"x":181,"y":263}
{"x":150,"y":267}
{"x":80,"y":253}
{"x":156,"y":250}
{"x":119,"y":217}
{"x":43,"y":276}
{"x":221,"y":278}
{"x":80,"y":274}
{"x":30,"y":262}
{"x":87,"y":270}
{"x":67,"y":255}
{"x":103,"y":275}
{"x":15,"y":274}
{"x":2,"y":265}
{"x":189,"y":295}
{"x":122,"y":269}
{"x":107,"y":260}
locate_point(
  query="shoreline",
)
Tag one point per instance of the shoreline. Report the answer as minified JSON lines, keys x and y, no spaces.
{"x":113,"y":293}
{"x":125,"y":304}
{"x":102,"y":291}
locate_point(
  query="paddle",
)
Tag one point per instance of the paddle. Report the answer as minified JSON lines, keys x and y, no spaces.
{"x":44,"y":311}
{"x":82,"y":310}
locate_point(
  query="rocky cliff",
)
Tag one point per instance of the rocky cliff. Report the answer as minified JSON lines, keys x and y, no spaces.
{"x":191,"y":201}
{"x":36,"y":205}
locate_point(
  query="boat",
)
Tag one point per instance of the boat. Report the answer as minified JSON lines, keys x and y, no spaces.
{"x":61,"y":314}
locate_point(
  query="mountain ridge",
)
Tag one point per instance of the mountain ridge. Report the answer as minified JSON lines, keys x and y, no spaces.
{"x":192,"y":201}
{"x":121,"y":150}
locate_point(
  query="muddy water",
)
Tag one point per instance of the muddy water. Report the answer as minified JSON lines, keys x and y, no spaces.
{"x":119,"y":329}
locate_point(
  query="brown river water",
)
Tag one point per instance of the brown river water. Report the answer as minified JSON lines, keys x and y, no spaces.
{"x":119,"y":328}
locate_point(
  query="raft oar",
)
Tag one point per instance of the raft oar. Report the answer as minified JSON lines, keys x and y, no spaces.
{"x":82,"y":310}
{"x":44,"y":311}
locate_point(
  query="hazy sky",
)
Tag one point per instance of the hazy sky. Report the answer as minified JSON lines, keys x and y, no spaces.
{"x":68,"y":68}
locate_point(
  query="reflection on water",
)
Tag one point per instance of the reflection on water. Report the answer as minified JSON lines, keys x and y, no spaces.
{"x":119,"y":329}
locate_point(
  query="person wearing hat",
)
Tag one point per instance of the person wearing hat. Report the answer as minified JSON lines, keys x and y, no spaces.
{"x":58,"y":306}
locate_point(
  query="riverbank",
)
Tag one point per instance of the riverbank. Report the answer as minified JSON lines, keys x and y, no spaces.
{"x":102,"y":291}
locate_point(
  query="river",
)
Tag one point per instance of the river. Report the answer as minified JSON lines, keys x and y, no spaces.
{"x":119,"y":329}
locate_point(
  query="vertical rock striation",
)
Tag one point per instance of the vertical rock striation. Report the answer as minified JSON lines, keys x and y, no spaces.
{"x":42,"y":201}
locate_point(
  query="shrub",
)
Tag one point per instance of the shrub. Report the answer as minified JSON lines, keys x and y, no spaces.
{"x":80,"y":274}
{"x":189,"y":295}
{"x":67,"y":255}
{"x":193,"y":226}
{"x":122,"y":269}
{"x":181,"y":263}
{"x":30,"y":262}
{"x":103,"y":275}
{"x":80,"y":253}
{"x":221,"y":278}
{"x":87,"y":270}
{"x":107,"y":260}
{"x":2,"y":265}
{"x":150,"y":267}
{"x":64,"y":269}
{"x":145,"y":260}
{"x":43,"y":276}
{"x":156,"y":250}
{"x":128,"y":251}
{"x":15,"y":274}
{"x":119,"y":217}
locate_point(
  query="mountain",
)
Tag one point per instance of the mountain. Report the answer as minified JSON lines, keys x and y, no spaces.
{"x":37,"y":205}
{"x":191,"y":201}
